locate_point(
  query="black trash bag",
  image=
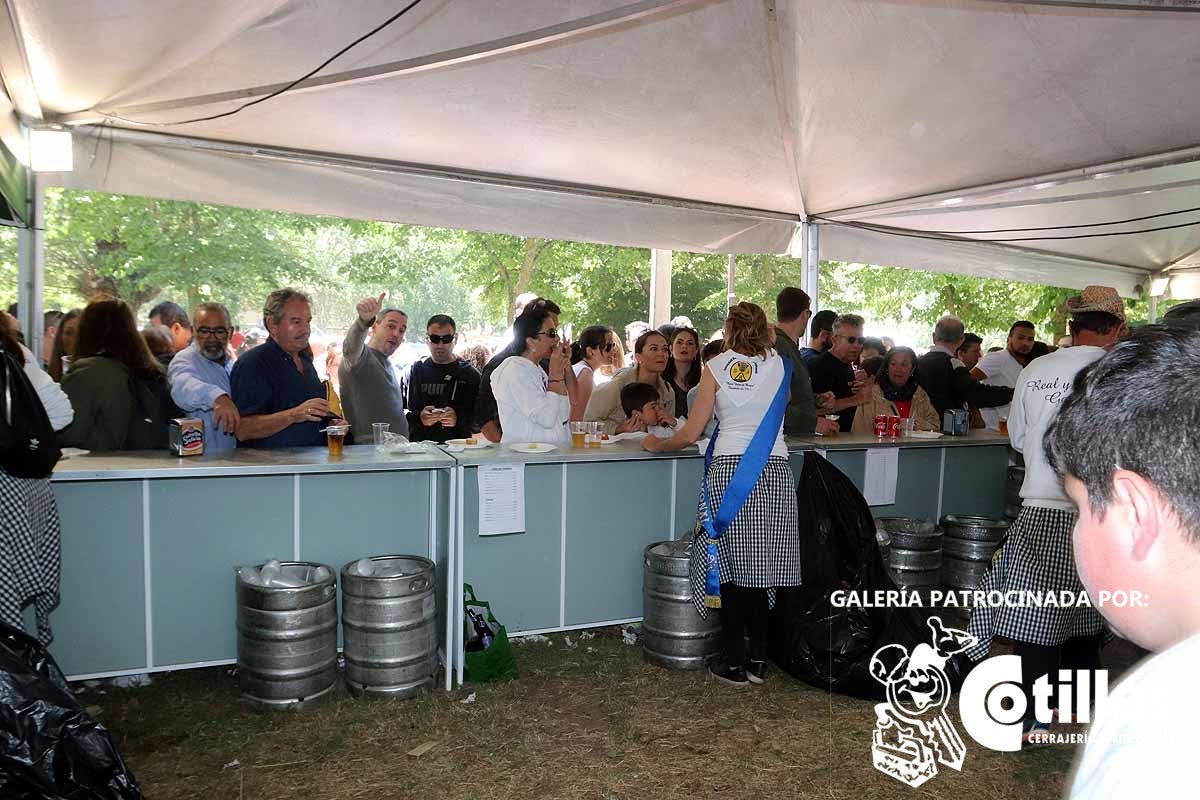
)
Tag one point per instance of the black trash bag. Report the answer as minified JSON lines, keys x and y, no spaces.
{"x":811,"y":639}
{"x":51,"y":747}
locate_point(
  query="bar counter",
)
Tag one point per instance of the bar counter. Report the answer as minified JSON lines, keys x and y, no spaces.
{"x":151,"y":540}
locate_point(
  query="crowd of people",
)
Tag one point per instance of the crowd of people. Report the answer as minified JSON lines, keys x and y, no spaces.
{"x":269,"y":391}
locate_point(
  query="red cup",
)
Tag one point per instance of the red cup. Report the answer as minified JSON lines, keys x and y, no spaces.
{"x":894,"y":427}
{"x":881,"y":425}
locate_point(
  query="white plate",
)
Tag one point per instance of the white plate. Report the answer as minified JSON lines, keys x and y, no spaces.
{"x":533,"y":447}
{"x":627,"y":436}
{"x":925,"y":435}
{"x":479,"y":443}
{"x":67,"y":452}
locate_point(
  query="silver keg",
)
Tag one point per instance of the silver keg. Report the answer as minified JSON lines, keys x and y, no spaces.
{"x":674,"y":635}
{"x":968,"y":545}
{"x":287,"y":636}
{"x":389,"y":625}
{"x":914,"y":553}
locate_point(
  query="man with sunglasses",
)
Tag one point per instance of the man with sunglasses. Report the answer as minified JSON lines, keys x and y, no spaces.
{"x":199,"y":378}
{"x":833,"y":371}
{"x":442,"y":389}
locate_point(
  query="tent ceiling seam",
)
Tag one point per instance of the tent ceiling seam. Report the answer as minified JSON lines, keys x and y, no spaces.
{"x":1128,"y":166}
{"x":775,"y":58}
{"x":459,"y":55}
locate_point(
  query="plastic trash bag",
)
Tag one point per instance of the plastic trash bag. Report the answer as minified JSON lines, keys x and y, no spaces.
{"x":811,"y":639}
{"x":51,"y":747}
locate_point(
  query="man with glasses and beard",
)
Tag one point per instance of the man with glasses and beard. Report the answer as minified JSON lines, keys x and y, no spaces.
{"x":442,"y":389}
{"x":199,"y":378}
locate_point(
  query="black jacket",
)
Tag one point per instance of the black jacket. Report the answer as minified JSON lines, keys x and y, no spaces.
{"x":949,"y":386}
{"x":454,"y":385}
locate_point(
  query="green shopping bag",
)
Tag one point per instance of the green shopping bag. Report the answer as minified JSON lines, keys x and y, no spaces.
{"x":496,"y":662}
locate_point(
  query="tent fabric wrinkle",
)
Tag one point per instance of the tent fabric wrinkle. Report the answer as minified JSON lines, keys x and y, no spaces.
{"x":705,"y":125}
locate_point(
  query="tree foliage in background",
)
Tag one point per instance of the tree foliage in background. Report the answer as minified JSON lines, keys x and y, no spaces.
{"x":144,"y":250}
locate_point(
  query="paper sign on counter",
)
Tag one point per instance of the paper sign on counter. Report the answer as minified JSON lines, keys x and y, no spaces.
{"x":501,"y":499}
{"x":879,"y":479}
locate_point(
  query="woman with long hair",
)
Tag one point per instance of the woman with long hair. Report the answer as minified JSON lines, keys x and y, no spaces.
{"x":534,"y":406}
{"x":114,"y":375}
{"x":683,"y":369}
{"x":591,"y":351}
{"x":757,"y":549}
{"x":650,"y":359}
{"x":28,"y":514}
{"x":895,"y":392}
{"x":64,"y":343}
{"x":616,"y":363}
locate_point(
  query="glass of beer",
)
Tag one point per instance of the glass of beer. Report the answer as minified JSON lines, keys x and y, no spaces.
{"x":335,"y":437}
{"x":594,"y":431}
{"x":578,"y":435}
{"x":1003,"y":426}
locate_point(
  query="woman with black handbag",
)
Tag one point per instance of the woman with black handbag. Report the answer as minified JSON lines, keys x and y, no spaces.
{"x":746,"y":544}
{"x":34,"y":407}
{"x":118,"y":389}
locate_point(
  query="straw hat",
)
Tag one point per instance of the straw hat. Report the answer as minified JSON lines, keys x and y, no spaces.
{"x":1098,"y":298}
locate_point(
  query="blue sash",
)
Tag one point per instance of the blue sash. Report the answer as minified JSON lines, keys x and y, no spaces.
{"x":745,"y":478}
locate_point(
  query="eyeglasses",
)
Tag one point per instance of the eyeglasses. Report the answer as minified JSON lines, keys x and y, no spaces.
{"x":219,"y":333}
{"x":433,"y":338}
{"x":608,"y":347}
{"x":552,"y":333}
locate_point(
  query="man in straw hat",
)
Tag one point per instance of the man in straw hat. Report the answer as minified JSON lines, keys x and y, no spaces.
{"x":1037,"y":557}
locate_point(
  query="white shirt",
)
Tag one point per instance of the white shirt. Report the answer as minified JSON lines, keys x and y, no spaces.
{"x":746,"y":385}
{"x":1143,"y":744}
{"x":1002,"y":369}
{"x":528,"y":412}
{"x":1040,"y":389}
{"x":54,"y":399}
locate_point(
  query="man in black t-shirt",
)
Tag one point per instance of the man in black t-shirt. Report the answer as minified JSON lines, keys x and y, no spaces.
{"x":833,"y":370}
{"x":442,"y":389}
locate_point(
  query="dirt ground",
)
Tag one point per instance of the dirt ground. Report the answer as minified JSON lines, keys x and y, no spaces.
{"x":587,"y":718}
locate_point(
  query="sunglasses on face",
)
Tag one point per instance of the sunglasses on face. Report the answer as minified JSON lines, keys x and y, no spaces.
{"x":552,"y":333}
{"x":852,"y":339}
{"x":205,"y":332}
{"x":606,"y":347}
{"x":435,"y":339}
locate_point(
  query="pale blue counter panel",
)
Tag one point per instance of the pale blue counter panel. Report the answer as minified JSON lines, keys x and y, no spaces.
{"x":345,"y":517}
{"x":612,"y":514}
{"x":519,"y":573}
{"x":974,"y":481}
{"x":688,"y":472}
{"x":100,"y":623}
{"x":201,"y":529}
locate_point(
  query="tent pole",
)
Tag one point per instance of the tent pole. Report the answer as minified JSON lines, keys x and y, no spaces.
{"x":1152,"y":311}
{"x":31,"y":267}
{"x":660,"y":287}
{"x":730,"y":281}
{"x":811,"y":239}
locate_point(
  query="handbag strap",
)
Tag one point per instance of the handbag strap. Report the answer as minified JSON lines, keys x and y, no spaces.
{"x":751,"y":465}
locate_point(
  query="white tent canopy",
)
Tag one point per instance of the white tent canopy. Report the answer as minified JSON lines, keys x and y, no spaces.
{"x":703,"y":125}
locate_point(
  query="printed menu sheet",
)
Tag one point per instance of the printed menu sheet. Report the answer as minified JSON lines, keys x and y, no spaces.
{"x":879,"y":481}
{"x":501,"y":499}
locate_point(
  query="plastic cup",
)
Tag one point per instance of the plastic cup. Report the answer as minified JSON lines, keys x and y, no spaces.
{"x":579,"y":434}
{"x":379,"y":431}
{"x":66,"y":364}
{"x":906,"y":427}
{"x":593,"y":434}
{"x":335,"y":437}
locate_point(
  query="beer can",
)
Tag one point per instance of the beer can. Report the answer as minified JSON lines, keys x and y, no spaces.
{"x":186,"y":436}
{"x":881,"y":425}
{"x":894,"y":427}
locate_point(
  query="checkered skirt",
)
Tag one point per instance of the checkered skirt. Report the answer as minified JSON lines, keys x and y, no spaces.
{"x":761,"y":548}
{"x":1036,"y":557}
{"x":29,"y":552}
